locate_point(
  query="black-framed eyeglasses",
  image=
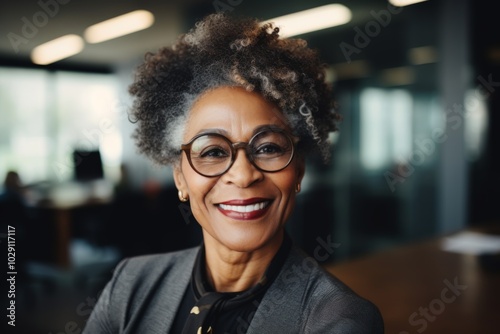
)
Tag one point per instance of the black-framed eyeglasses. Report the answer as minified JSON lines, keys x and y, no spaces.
{"x":212,"y":154}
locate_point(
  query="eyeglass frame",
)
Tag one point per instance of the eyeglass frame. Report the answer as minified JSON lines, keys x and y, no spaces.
{"x":236,"y":146}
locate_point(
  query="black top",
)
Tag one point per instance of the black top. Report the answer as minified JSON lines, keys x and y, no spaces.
{"x":229,"y":312}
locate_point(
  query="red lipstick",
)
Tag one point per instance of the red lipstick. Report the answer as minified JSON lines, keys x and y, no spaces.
{"x":244,"y":209}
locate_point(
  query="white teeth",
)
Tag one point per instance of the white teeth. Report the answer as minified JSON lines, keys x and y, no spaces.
{"x":244,"y":208}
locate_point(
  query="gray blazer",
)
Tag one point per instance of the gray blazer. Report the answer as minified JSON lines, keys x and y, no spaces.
{"x":145,"y":292}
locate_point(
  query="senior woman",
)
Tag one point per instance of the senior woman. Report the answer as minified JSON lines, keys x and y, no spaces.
{"x":233,"y":109}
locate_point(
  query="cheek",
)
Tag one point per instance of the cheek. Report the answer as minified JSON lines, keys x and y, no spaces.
{"x":286,"y":205}
{"x":198,"y":186}
{"x":287,"y":180}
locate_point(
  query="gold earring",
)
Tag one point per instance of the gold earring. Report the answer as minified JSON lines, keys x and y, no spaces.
{"x":181,"y":197}
{"x":297,"y":188}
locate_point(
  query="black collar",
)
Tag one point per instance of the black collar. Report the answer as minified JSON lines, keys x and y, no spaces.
{"x":210,"y":304}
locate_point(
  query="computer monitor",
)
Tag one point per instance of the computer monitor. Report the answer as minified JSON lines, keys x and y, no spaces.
{"x":88,"y":165}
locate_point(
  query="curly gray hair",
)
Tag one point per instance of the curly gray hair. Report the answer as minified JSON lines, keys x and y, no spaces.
{"x":224,"y":51}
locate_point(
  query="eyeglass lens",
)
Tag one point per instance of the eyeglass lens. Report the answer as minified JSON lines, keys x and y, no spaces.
{"x":211,"y":154}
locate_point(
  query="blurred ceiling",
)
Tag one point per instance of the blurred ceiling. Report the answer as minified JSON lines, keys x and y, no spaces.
{"x":54,"y":18}
{"x":414,"y":26}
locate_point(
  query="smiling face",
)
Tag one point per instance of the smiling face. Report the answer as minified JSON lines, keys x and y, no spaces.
{"x":244,"y":209}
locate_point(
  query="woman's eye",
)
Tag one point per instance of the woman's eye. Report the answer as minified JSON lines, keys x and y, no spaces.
{"x":214,"y":152}
{"x":269,"y":149}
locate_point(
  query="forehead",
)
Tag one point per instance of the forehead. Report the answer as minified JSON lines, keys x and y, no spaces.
{"x":233,"y":111}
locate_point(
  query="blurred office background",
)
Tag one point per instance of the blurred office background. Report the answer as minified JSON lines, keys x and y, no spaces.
{"x":416,"y":156}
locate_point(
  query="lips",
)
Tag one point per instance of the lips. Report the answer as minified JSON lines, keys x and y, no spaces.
{"x":245,"y":209}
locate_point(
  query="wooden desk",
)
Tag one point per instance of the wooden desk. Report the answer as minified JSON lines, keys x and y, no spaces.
{"x":411,"y":287}
{"x":61,"y":203}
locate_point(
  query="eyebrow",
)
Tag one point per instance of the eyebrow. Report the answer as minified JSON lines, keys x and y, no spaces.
{"x":260,"y":128}
{"x":209,"y":131}
{"x":265,"y":127}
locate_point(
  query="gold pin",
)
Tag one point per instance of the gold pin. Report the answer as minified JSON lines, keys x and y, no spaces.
{"x":199,"y":331}
{"x":195,"y":310}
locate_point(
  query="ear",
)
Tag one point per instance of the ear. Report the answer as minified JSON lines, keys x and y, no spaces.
{"x":301,"y":168}
{"x":180,"y":181}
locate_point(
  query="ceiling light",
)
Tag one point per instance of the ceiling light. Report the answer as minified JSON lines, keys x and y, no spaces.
{"x":402,"y":3}
{"x":119,"y":26}
{"x":312,"y":20}
{"x":422,"y":55}
{"x":398,"y":76}
{"x":352,"y":70}
{"x":57,"y":49}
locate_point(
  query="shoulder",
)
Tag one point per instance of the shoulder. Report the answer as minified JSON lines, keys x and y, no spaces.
{"x":144,"y":270}
{"x":330,"y":306}
{"x":150,"y":285}
{"x":152,"y":263}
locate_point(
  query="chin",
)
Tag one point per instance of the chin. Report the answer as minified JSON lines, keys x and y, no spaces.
{"x":247,"y":241}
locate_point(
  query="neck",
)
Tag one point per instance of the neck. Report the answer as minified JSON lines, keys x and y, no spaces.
{"x":233,"y":271}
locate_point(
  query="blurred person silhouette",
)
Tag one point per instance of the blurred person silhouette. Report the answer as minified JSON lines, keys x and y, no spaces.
{"x":12,"y":200}
{"x":13,"y":187}
{"x":14,"y":215}
{"x":235,"y":110}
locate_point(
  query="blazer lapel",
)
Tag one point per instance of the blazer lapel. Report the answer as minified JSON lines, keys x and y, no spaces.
{"x":281,"y":308}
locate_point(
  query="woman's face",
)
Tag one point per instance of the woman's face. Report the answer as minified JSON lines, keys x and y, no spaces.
{"x":217,"y":202}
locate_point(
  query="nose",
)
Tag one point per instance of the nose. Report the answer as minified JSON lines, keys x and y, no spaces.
{"x":242,"y":173}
